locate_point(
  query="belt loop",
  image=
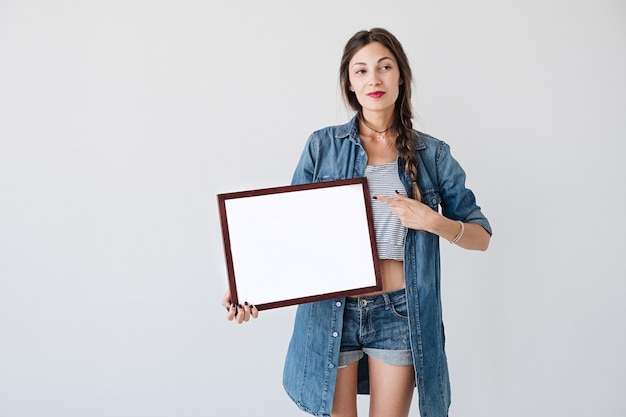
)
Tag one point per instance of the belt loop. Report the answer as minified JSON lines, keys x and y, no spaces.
{"x":387,"y":301}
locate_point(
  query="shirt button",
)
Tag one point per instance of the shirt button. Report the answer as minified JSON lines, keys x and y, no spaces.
{"x":338,"y":303}
{"x":335,"y":334}
{"x":331,"y":365}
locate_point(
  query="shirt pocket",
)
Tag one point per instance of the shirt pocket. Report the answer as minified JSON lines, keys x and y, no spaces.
{"x":323,"y":177}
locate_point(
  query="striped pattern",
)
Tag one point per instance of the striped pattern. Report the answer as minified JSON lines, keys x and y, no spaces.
{"x":384,"y":180}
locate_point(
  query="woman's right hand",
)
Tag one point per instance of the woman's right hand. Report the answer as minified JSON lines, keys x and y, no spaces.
{"x":239,"y":313}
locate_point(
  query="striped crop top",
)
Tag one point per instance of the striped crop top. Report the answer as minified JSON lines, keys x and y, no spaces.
{"x":384,"y":180}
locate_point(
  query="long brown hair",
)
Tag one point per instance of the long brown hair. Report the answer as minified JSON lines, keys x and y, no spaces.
{"x":403,"y":112}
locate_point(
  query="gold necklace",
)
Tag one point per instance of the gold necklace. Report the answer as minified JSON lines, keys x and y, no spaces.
{"x":381,"y":134}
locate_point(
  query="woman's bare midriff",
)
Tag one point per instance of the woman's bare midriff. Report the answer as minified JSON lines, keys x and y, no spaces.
{"x":392,"y":276}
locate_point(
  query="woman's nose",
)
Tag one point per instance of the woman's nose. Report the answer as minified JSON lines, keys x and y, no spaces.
{"x":374,"y":80}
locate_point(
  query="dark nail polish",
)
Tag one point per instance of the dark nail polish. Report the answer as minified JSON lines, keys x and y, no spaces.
{"x":375,"y":198}
{"x":246,"y":303}
{"x":240,"y":306}
{"x":228,"y":309}
{"x":397,"y":192}
{"x":251,"y":306}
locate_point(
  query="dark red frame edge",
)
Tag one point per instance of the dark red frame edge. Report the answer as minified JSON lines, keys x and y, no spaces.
{"x":232,"y":284}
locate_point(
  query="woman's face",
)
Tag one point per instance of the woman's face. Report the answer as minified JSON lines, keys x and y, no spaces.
{"x":374,"y":77}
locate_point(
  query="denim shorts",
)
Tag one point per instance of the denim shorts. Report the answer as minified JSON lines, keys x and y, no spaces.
{"x":377,"y":326}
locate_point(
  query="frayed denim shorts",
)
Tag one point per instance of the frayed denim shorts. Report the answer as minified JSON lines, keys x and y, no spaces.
{"x":377,"y":326}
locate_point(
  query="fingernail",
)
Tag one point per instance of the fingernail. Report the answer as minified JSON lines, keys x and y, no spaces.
{"x":228,"y":308}
{"x":240,"y":306}
{"x":246,"y":303}
{"x":375,"y":198}
{"x":397,"y":192}
{"x":251,"y":306}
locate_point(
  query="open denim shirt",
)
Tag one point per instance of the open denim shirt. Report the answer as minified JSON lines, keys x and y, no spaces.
{"x":310,"y":369}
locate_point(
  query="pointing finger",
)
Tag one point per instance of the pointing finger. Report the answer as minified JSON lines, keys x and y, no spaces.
{"x":384,"y":199}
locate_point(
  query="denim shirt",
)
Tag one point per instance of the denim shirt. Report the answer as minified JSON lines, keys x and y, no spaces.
{"x":310,"y":368}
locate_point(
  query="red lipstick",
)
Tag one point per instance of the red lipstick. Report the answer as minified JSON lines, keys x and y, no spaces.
{"x":376,"y":94}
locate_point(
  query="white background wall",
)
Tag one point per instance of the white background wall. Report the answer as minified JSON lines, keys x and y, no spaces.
{"x":120,"y":121}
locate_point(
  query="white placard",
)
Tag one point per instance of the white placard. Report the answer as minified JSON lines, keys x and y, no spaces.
{"x":289,"y":245}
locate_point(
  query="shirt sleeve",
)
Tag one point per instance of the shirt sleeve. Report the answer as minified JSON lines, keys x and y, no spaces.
{"x":304,"y":172}
{"x":458,"y":201}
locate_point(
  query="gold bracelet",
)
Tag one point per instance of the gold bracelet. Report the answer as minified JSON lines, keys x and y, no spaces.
{"x":460,"y":234}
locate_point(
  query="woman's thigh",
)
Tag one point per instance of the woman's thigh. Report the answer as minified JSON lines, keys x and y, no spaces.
{"x":391,"y":389}
{"x":344,"y":401}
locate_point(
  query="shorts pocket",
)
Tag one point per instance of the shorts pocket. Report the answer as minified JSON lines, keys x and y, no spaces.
{"x":399,"y":307}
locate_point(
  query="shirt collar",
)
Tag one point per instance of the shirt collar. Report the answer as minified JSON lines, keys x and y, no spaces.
{"x":350,"y":130}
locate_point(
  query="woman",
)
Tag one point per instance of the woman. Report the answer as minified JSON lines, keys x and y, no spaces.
{"x":389,"y":342}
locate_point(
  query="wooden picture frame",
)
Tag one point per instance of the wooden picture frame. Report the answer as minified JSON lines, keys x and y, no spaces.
{"x":299,"y":243}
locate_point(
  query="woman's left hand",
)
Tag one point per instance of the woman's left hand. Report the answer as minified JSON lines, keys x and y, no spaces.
{"x":412,"y":213}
